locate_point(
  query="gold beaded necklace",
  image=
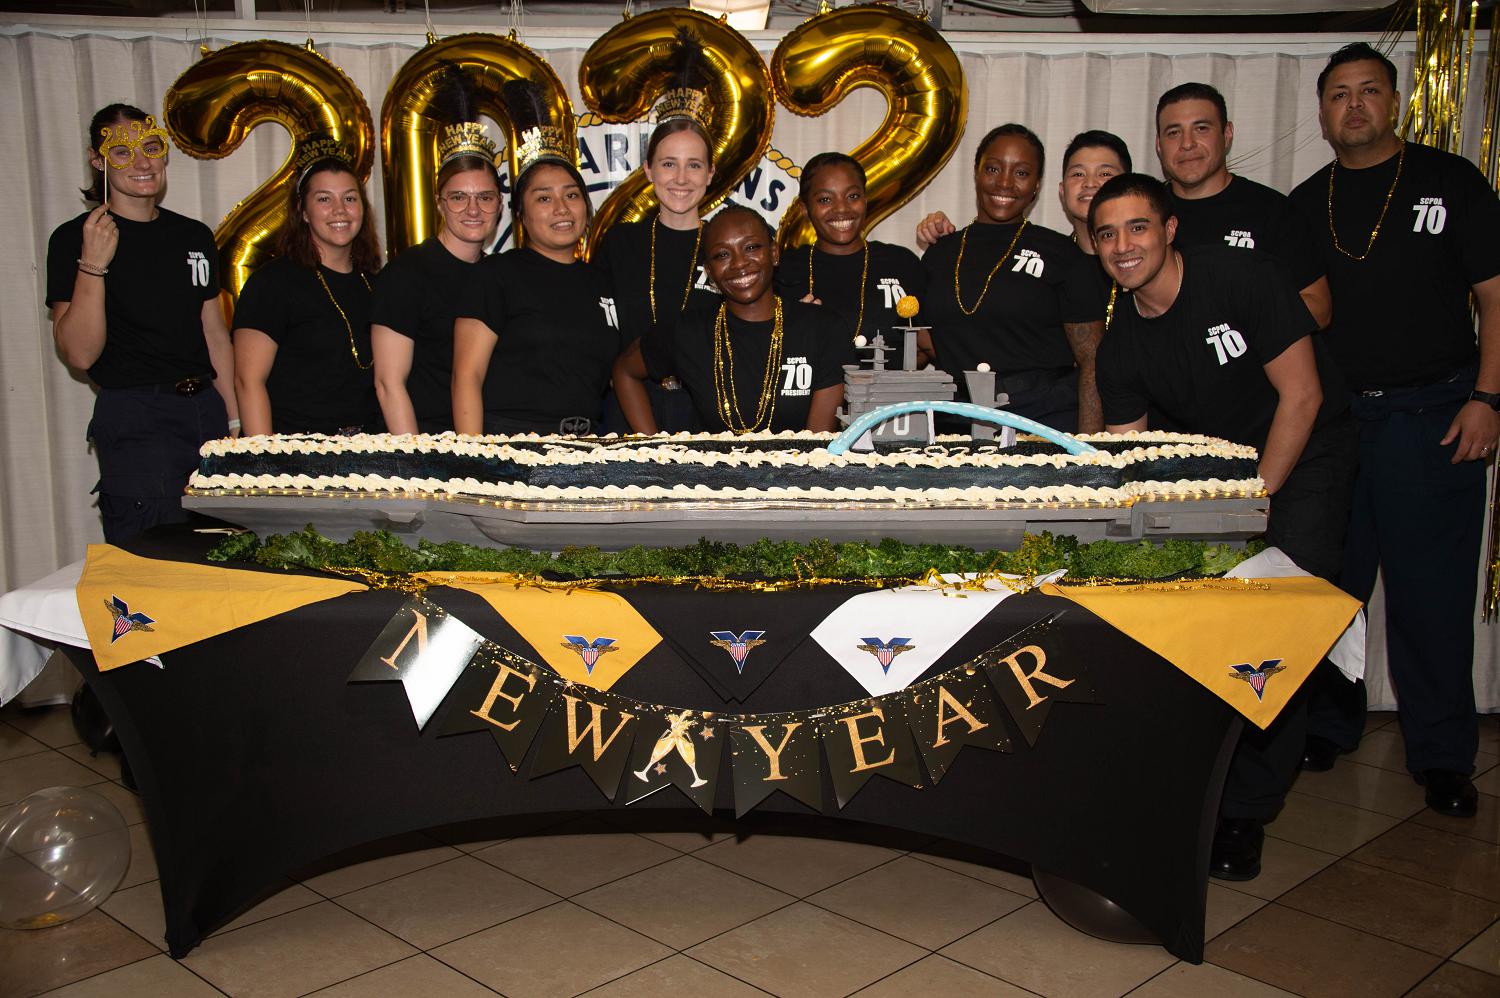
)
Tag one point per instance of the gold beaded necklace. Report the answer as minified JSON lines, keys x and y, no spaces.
{"x":728,"y":402}
{"x":692,"y":267}
{"x":1109,"y":310}
{"x":353,"y":349}
{"x":863,"y":274}
{"x":1332,"y":169}
{"x":963,"y":242}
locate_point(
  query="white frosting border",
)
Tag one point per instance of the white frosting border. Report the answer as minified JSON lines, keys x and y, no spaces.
{"x":678,"y":449}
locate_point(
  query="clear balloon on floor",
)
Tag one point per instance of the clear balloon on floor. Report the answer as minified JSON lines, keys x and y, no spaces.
{"x":63,"y":850}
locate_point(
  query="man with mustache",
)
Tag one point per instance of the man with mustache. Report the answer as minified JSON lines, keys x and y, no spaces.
{"x":1407,"y":233}
{"x":1215,"y":207}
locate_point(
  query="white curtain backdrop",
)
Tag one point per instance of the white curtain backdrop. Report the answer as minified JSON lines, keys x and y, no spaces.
{"x":54,"y":76}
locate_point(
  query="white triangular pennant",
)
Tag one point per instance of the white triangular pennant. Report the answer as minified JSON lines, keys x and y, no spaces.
{"x":886,"y":639}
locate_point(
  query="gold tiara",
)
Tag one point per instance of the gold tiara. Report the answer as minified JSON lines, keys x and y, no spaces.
{"x":314,"y":150}
{"x":684,"y":102}
{"x":467,"y":138}
{"x":132,"y":135}
{"x":542,"y":142}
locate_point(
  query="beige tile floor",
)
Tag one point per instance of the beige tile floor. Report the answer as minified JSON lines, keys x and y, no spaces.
{"x":1364,"y":894}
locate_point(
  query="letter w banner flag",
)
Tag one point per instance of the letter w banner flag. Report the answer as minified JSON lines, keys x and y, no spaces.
{"x":887,"y":639}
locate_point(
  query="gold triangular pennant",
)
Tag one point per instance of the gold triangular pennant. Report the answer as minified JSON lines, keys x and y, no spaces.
{"x":1251,"y":642}
{"x":136,"y":607}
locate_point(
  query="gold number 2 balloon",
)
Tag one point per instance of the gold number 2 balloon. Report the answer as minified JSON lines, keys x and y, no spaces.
{"x":627,"y":68}
{"x":875,"y":45}
{"x":215,"y":103}
{"x":409,"y":127}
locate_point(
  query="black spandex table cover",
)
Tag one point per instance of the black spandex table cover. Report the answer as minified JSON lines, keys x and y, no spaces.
{"x":255,"y":758}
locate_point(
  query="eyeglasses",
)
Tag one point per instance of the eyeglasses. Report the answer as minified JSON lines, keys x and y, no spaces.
{"x":488,"y":201}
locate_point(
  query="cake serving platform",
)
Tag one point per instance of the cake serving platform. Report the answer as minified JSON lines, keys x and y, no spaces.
{"x":616,"y":525}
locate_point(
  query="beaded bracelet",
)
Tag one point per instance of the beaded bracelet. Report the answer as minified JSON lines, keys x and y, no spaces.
{"x":91,"y":270}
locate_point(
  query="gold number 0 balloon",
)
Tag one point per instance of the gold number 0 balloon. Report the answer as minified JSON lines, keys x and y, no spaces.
{"x":409,"y":129}
{"x":874,"y":45}
{"x":215,"y":103}
{"x":627,"y":68}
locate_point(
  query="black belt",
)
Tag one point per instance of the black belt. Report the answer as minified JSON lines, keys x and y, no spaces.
{"x":186,"y":387}
{"x":1372,"y":393}
{"x":1026,"y":381}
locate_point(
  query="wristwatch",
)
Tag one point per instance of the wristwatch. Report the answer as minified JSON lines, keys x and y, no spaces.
{"x":1491,"y":399}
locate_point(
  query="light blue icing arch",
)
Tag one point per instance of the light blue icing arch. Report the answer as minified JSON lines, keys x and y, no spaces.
{"x":969,"y":411}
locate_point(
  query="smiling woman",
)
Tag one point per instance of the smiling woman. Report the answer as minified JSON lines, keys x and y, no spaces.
{"x":416,"y":296}
{"x":1018,"y":297}
{"x":654,"y":264}
{"x":302,"y":323}
{"x":148,"y":330}
{"x":754,"y":363}
{"x":858,"y":280}
{"x":536,"y":331}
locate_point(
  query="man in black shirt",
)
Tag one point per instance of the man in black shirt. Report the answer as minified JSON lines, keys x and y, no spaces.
{"x":1220,"y":342}
{"x":1215,"y":207}
{"x":1407,"y":233}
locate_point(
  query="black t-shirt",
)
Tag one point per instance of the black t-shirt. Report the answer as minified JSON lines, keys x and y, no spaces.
{"x":162,"y":273}
{"x":1250,"y":216}
{"x":315,"y":385}
{"x":893,"y":273}
{"x":557,"y":337}
{"x":1046,"y":281}
{"x":1401,"y":316}
{"x":417,"y":295}
{"x":624,"y":257}
{"x":810,"y":360}
{"x":1202,"y":362}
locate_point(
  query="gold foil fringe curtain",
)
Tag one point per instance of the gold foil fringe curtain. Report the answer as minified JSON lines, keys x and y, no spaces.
{"x":1435,"y":117}
{"x":1489,"y":162}
{"x":1435,"y":105}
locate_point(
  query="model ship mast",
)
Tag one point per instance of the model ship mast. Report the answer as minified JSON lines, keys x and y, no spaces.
{"x":878,"y":386}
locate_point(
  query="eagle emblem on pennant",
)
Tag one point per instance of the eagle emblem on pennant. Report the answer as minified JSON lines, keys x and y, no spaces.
{"x":738,"y":645}
{"x":1257,"y":675}
{"x":125,"y":621}
{"x":588,"y":650}
{"x":885,"y":652}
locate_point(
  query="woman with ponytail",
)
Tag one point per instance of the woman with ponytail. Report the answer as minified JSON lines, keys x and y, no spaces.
{"x":134,"y":293}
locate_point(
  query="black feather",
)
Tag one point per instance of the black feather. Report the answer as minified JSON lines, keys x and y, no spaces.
{"x":454,"y":96}
{"x":692,"y":70}
{"x":525,"y":104}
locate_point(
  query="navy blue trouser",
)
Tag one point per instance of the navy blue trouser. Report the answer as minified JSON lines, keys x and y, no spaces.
{"x":1308,"y":516}
{"x":147,"y":445}
{"x":1417,"y":518}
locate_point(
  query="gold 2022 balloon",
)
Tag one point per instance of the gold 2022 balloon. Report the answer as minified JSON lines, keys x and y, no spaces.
{"x":627,"y":68}
{"x":215,"y":103}
{"x":875,"y":45}
{"x":409,"y":128}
